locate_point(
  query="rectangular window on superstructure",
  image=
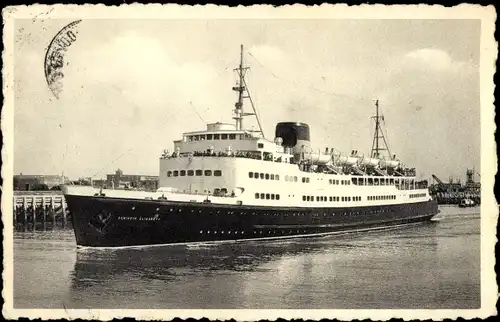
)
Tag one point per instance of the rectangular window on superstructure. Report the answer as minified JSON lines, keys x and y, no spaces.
{"x":199,"y":172}
{"x":210,"y":136}
{"x":261,"y":175}
{"x":391,"y":182}
{"x":361,"y":181}
{"x":183,"y":173}
{"x":267,"y":176}
{"x":202,"y":137}
{"x":382,"y":182}
{"x":169,"y":173}
{"x":189,"y":138}
{"x":256,"y":195}
{"x":260,"y":145}
{"x":216,"y":136}
{"x":232,"y":136}
{"x":250,"y":174}
{"x":256,"y":175}
{"x":370,"y":181}
{"x":176,"y":173}
{"x":190,"y":173}
{"x":303,"y":198}
{"x":208,"y":173}
{"x":355,"y":181}
{"x":277,"y":177}
{"x":262,"y":196}
{"x":217,"y":173}
{"x":376,"y":182}
{"x":272,"y":196}
{"x":277,"y":197}
{"x":272,"y":176}
{"x":295,"y":179}
{"x":223,"y":136}
{"x":268,"y":196}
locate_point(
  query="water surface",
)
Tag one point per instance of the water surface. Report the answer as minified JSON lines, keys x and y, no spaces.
{"x":434,"y":265}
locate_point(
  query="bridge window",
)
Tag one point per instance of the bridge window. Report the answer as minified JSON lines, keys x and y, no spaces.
{"x":216,"y":136}
{"x":169,"y":173}
{"x":210,"y":136}
{"x":208,"y":173}
{"x":217,"y":173}
{"x":260,"y":145}
{"x":199,"y":172}
{"x":232,"y":136}
{"x":223,"y":136}
{"x":190,"y":173}
{"x":183,"y":173}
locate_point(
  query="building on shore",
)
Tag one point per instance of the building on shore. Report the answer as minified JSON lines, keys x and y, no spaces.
{"x":23,"y":182}
{"x":131,"y":181}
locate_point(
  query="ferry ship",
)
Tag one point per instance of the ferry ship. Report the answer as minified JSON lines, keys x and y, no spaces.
{"x":227,"y":183}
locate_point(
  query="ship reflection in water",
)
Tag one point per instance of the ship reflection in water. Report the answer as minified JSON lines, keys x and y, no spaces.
{"x":431,"y":265}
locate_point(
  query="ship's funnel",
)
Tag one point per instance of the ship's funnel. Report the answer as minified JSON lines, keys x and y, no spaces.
{"x":292,"y":132}
{"x":295,"y":135}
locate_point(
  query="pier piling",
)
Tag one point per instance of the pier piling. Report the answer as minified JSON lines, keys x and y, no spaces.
{"x":30,"y":210}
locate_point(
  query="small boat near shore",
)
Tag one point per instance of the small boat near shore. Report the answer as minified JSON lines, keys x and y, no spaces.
{"x":466,"y":202}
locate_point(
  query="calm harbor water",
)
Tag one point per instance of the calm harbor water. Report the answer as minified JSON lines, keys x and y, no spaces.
{"x":431,"y":265}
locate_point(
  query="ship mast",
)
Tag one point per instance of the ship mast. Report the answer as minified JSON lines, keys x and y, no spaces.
{"x":242,"y":89}
{"x":378,"y":135}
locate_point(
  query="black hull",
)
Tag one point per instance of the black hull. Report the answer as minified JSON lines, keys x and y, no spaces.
{"x":113,"y":222}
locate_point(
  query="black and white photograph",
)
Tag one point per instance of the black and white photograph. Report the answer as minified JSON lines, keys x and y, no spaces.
{"x":165,"y":161}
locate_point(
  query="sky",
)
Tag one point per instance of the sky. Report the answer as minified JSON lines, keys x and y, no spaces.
{"x":131,"y":87}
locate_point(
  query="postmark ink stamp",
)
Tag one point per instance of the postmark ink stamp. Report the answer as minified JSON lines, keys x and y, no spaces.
{"x":54,"y":57}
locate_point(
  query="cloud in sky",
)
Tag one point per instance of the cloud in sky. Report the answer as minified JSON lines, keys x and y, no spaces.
{"x":128,"y":88}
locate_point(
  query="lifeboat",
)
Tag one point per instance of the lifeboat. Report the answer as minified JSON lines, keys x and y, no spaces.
{"x":319,"y":158}
{"x":345,"y":160}
{"x":369,"y":162}
{"x":389,"y":163}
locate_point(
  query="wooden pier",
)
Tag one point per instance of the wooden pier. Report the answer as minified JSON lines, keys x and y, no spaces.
{"x":40,"y":210}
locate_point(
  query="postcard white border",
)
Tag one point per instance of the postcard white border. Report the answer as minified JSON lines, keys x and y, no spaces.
{"x":489,"y":207}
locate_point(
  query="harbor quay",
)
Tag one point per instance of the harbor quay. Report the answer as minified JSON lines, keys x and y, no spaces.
{"x":40,"y":210}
